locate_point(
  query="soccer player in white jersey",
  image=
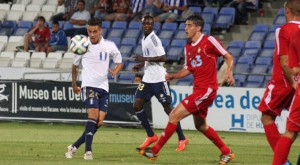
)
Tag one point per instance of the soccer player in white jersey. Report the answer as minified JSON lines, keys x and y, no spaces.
{"x":94,"y":87}
{"x":153,"y":83}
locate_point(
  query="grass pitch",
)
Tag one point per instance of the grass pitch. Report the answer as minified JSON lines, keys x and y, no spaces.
{"x":45,"y":144}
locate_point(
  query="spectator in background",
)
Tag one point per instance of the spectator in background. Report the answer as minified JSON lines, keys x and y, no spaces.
{"x":79,"y":20}
{"x":120,"y":9}
{"x":70,"y":6}
{"x":172,"y":10}
{"x":58,"y":39}
{"x":103,"y":8}
{"x":221,"y":74}
{"x":136,"y":9}
{"x":91,"y":6}
{"x":154,"y":7}
{"x":60,"y":7}
{"x":41,"y":35}
{"x":137,"y":78}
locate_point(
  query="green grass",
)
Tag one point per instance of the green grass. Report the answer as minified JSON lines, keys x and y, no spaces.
{"x":43,"y":143}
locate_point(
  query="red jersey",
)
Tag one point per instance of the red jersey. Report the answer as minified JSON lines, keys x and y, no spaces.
{"x":282,"y":39}
{"x":201,"y":60}
{"x":42,"y":35}
{"x":294,"y":55}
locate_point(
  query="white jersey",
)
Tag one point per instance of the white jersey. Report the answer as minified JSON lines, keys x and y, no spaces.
{"x":95,"y":63}
{"x":152,"y":47}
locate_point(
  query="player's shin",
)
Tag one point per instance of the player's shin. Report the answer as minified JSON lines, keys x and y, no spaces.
{"x":170,"y":129}
{"x":89,"y":133}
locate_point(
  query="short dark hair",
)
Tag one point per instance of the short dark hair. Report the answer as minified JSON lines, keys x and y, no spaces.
{"x":82,"y":1}
{"x":197,"y":20}
{"x":138,"y":75}
{"x":95,"y":22}
{"x":41,"y":18}
{"x":148,"y":17}
{"x":55,"y":22}
{"x":294,"y":6}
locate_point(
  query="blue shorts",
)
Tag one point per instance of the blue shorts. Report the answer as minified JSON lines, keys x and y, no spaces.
{"x":95,"y":98}
{"x":160,"y":90}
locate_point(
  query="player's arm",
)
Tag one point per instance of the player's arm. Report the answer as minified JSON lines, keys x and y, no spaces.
{"x":116,"y":70}
{"x":162,"y":58}
{"x":76,"y":88}
{"x":180,"y":74}
{"x":137,"y":67}
{"x":288,"y":72}
{"x":228,"y":75}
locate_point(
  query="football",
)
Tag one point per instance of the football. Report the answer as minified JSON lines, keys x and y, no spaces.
{"x":79,"y":44}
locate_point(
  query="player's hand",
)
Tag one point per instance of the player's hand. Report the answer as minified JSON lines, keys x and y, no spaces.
{"x":113,"y":72}
{"x":169,"y":77}
{"x":76,"y":89}
{"x":139,"y":58}
{"x":229,"y":79}
{"x":136,"y":68}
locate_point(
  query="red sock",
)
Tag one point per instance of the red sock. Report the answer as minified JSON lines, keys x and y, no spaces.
{"x":272,"y":134}
{"x":212,"y":135}
{"x":170,"y":129}
{"x":282,"y":150}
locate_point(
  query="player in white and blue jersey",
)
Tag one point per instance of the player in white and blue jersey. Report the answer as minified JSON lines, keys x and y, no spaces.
{"x":94,"y":87}
{"x":154,"y":82}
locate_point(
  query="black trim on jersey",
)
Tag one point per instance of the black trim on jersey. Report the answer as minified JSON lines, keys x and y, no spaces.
{"x":154,"y":40}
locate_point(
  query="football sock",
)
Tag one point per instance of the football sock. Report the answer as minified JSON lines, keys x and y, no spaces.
{"x":142,"y":116}
{"x":89,"y":133}
{"x":170,"y":129}
{"x":179,"y":132}
{"x":81,"y":139}
{"x":282,"y":150}
{"x":272,"y":134}
{"x":212,"y":135}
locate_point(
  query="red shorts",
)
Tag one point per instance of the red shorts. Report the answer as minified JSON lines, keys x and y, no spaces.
{"x":276,"y":97}
{"x":198,"y":102}
{"x":293,"y":121}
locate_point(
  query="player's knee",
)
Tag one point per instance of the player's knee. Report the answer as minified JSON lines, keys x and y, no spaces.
{"x":173,"y":118}
{"x":167,"y":108}
{"x":267,"y":119}
{"x":202,"y":128}
{"x":137,"y":107}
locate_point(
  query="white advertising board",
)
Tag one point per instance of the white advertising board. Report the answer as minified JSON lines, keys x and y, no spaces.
{"x":234,"y":109}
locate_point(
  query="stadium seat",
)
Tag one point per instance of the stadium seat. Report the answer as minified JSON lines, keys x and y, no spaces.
{"x":166,"y":34}
{"x":126,"y":78}
{"x":119,"y":25}
{"x":212,"y":10}
{"x":259,"y":32}
{"x":266,"y":52}
{"x":129,"y":41}
{"x":116,"y":33}
{"x":255,"y":81}
{"x":52,"y":60}
{"x":29,"y":15}
{"x":46,"y":14}
{"x":68,"y":25}
{"x":241,"y":68}
{"x":14,"y":15}
{"x":253,"y":44}
{"x":5,"y":7}
{"x":281,"y":11}
{"x":240,"y":80}
{"x":8,"y":27}
{"x":279,"y":20}
{"x":259,"y":69}
{"x":269,"y":44}
{"x":2,"y":46}
{"x":267,"y":80}
{"x":38,"y":2}
{"x":180,"y":34}
{"x":174,"y":53}
{"x":223,"y":21}
{"x":165,"y":42}
{"x":21,"y":60}
{"x":33,"y":7}
{"x":116,"y":40}
{"x":106,"y":24}
{"x":181,"y":26}
{"x":6,"y":58}
{"x":138,"y":50}
{"x":237,"y":43}
{"x":169,"y":26}
{"x":130,"y":65}
{"x":178,"y":43}
{"x":4,"y":39}
{"x":235,"y":51}
{"x":270,"y":36}
{"x":24,"y":24}
{"x":250,"y":53}
{"x":37,"y":59}
{"x":186,"y":81}
{"x":206,"y":29}
{"x":264,"y":61}
{"x":208,"y":17}
{"x":21,"y":31}
{"x":135,"y":25}
{"x":56,"y":55}
{"x":68,"y":55}
{"x":196,"y":9}
{"x":18,"y":7}
{"x":51,"y":2}
{"x":228,"y":11}
{"x":3,"y":14}
{"x":157,"y":26}
{"x":245,"y":60}
{"x":126,"y":50}
{"x":132,"y":33}
{"x":51,"y":8}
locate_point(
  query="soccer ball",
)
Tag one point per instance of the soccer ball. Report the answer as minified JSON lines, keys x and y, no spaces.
{"x":79,"y":44}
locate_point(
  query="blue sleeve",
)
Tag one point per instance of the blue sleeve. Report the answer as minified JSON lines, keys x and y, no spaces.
{"x":62,"y":39}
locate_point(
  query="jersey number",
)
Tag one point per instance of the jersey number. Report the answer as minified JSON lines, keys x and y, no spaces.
{"x":197,"y":61}
{"x":103,"y":56}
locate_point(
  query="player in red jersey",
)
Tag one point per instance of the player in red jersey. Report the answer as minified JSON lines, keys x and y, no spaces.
{"x":201,"y":53}
{"x":293,"y":122}
{"x":279,"y":92}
